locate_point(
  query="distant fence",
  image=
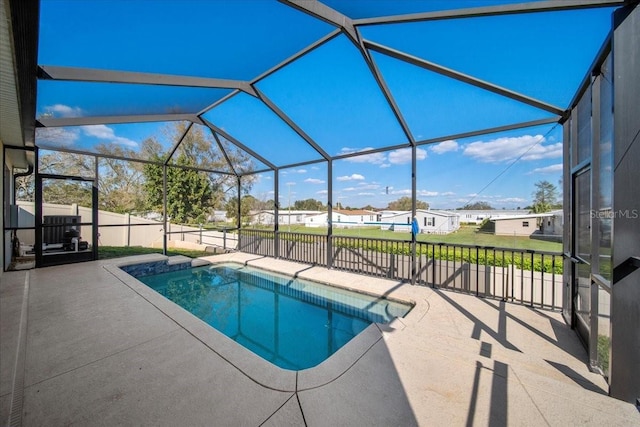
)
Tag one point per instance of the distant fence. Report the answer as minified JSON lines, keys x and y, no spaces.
{"x":517,"y":275}
{"x":124,"y":229}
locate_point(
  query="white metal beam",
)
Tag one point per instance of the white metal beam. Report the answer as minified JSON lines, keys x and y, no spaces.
{"x":50,"y":72}
{"x":99,"y":120}
{"x":506,"y":9}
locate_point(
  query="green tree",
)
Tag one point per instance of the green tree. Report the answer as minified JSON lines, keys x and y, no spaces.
{"x":189,"y":192}
{"x":404,"y":204}
{"x":63,"y":191}
{"x":308,"y":205}
{"x":477,"y":206}
{"x":192,"y":194}
{"x":247,"y":204}
{"x":544,"y":197}
{"x":120,"y":182}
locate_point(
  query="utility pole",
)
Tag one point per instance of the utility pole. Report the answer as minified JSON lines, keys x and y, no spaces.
{"x":289,"y":203}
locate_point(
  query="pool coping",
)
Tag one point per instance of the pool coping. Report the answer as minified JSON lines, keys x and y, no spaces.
{"x":253,"y":366}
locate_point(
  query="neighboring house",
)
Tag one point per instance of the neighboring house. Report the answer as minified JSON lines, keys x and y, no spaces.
{"x":218,"y":216}
{"x":429,"y":221}
{"x":344,"y":218}
{"x":477,"y":216}
{"x":315,"y":221}
{"x":521,"y":225}
{"x":553,"y":225}
{"x":285,"y":217}
{"x":354,"y":218}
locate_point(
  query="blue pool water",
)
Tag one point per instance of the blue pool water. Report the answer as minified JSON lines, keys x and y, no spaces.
{"x":295,"y":324}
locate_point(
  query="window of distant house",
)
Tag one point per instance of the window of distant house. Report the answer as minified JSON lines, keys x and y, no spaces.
{"x":361,"y":218}
{"x":549,"y":223}
{"x":431,"y":221}
{"x":525,"y":223}
{"x":338,"y":218}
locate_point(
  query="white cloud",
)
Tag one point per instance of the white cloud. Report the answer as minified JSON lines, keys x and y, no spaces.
{"x":300,"y":171}
{"x":314,"y":181}
{"x":385,"y":165}
{"x":107,"y":135}
{"x":349,"y":189}
{"x":373,"y":158}
{"x":365,"y":186}
{"x":445,"y":147}
{"x":425,"y":193}
{"x":61,"y":110}
{"x":448,"y":193}
{"x":59,"y":137}
{"x":322,"y":192}
{"x":366,"y":194}
{"x":512,"y":200}
{"x":548,"y":169}
{"x":352,"y":177}
{"x":290,"y":183}
{"x":403,"y":155}
{"x":505,"y":149}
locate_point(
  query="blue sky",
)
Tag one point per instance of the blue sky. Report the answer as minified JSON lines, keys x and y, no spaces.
{"x":330,"y":92}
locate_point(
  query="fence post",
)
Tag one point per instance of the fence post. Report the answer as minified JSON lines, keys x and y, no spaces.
{"x":128,"y":218}
{"x":224,"y":239}
{"x":200,"y":242}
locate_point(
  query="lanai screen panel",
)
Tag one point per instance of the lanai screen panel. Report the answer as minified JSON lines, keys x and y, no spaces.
{"x":86,"y":99}
{"x":435,"y":105}
{"x":332,"y":95}
{"x":251,"y":122}
{"x":368,"y":9}
{"x":222,"y":39}
{"x":520,"y":52}
{"x":143,"y":141}
{"x":499,"y":168}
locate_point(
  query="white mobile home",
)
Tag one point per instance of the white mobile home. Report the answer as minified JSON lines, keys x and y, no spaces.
{"x":285,"y":217}
{"x":476,"y":216}
{"x":429,"y":221}
{"x":344,"y":219}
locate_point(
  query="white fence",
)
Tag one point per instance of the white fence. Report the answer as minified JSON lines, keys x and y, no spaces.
{"x":116,"y":229}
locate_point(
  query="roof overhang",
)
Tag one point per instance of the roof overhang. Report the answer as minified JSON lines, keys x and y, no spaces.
{"x":19,"y":21}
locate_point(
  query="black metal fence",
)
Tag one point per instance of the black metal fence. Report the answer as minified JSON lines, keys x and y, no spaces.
{"x":516,"y":275}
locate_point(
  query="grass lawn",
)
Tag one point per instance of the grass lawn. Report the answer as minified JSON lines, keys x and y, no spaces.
{"x":106,"y":252}
{"x":466,"y":235}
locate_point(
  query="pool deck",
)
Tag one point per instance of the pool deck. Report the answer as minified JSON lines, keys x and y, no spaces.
{"x":86,"y":344}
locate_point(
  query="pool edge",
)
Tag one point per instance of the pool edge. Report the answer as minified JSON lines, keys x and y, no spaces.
{"x":251,"y":365}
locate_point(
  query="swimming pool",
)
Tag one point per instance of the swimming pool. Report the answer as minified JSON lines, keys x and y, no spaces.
{"x":293,"y":323}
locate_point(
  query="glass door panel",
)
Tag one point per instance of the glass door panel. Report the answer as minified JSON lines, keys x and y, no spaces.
{"x":582,"y":251}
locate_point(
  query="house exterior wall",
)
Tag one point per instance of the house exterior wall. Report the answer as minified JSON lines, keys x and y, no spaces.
{"x":343,"y":219}
{"x":525,"y":226}
{"x":477,"y":216}
{"x":430,"y":222}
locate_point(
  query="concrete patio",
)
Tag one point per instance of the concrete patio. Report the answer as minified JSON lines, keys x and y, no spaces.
{"x":86,"y":344}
